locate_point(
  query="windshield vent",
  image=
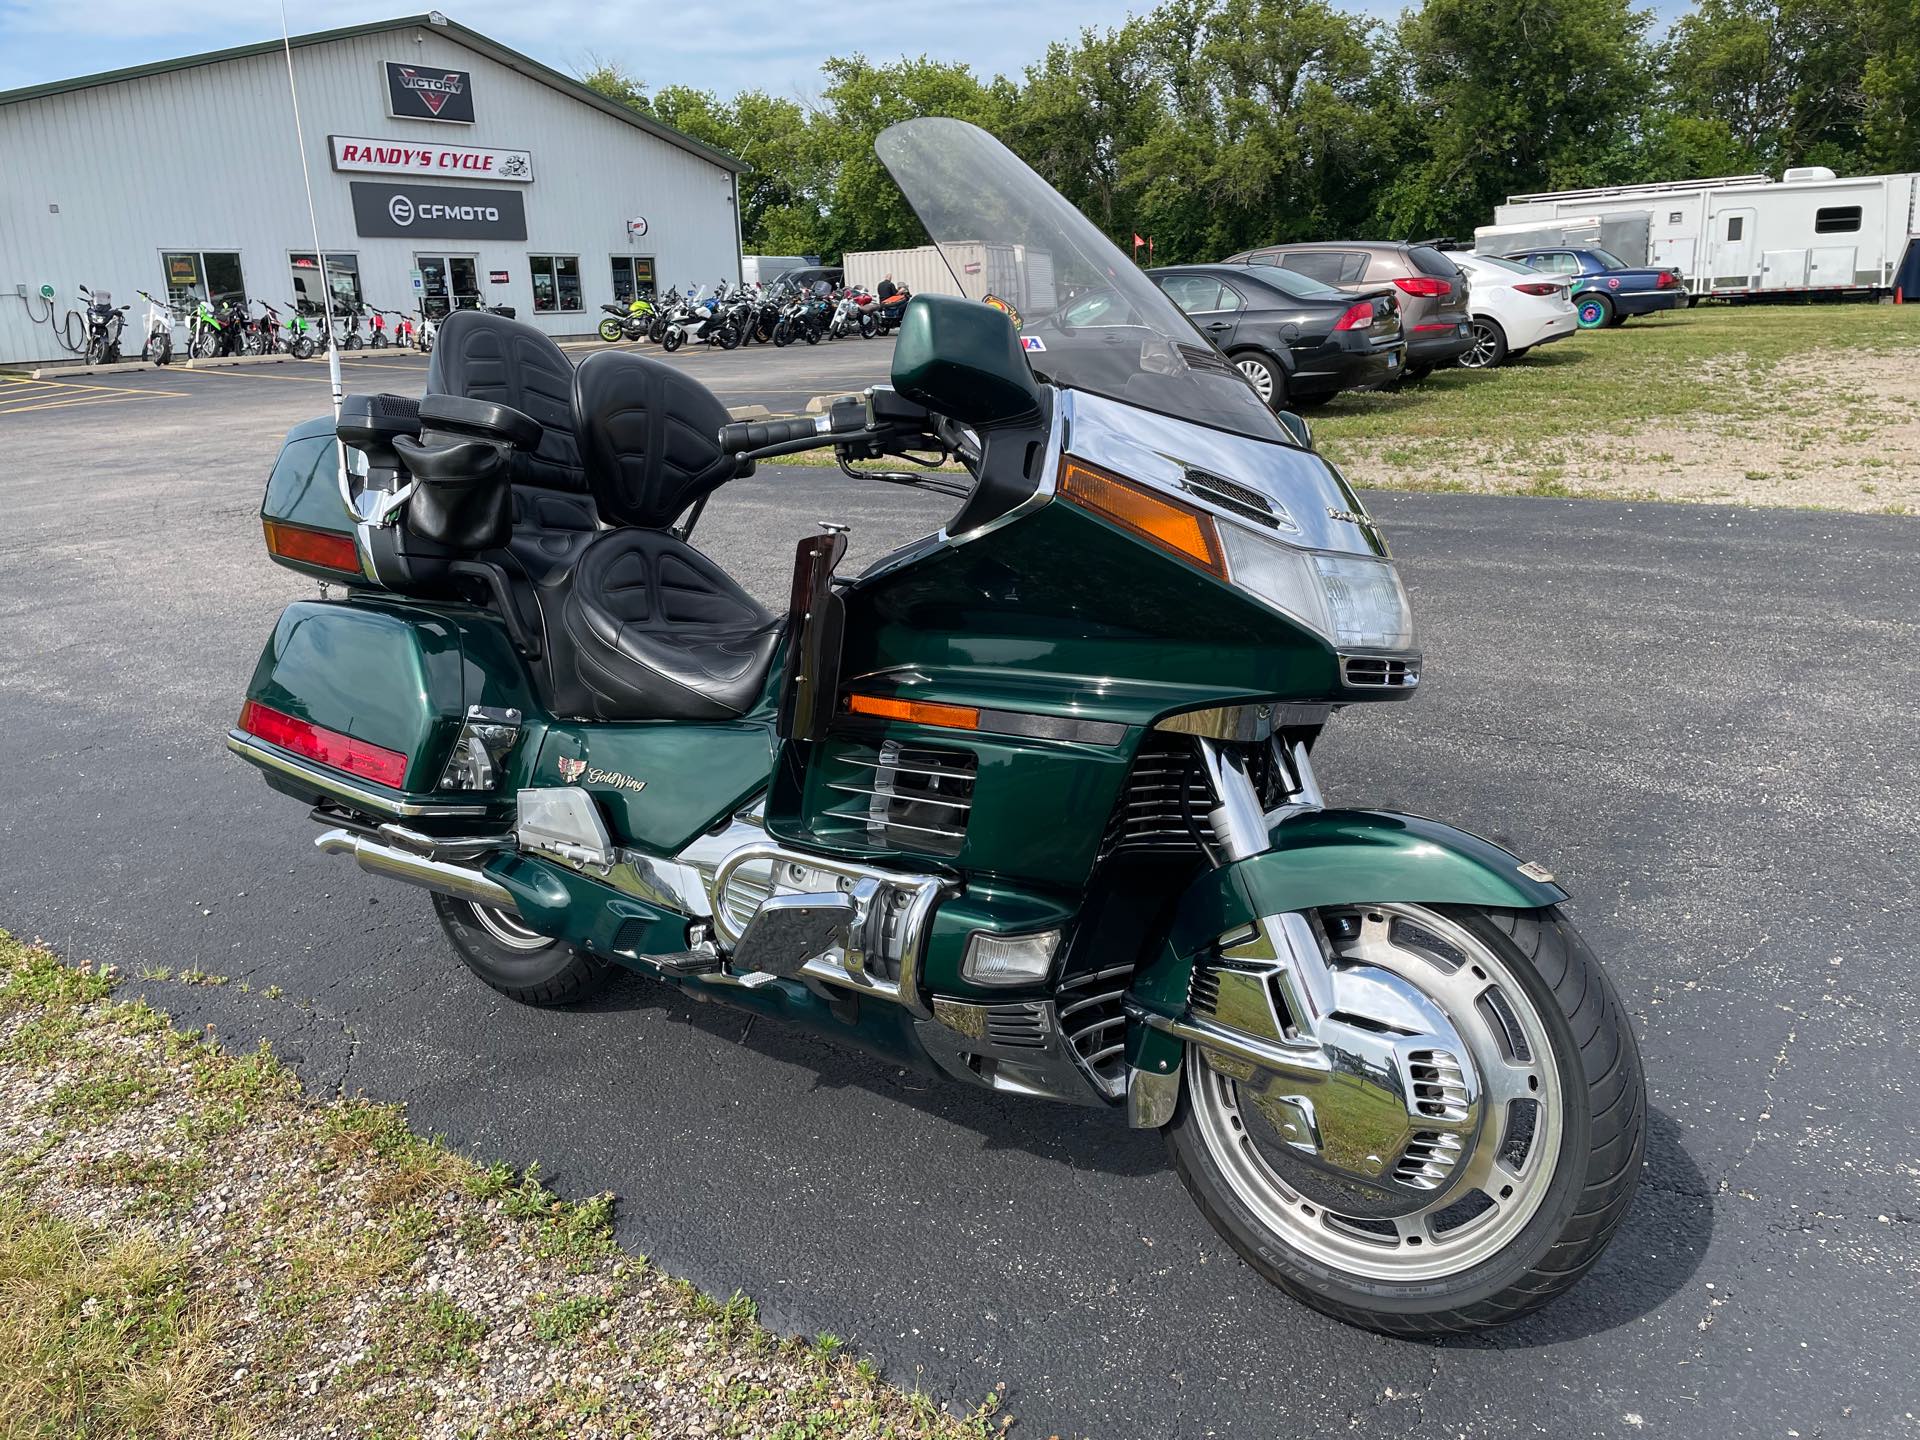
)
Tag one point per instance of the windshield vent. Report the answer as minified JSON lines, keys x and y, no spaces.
{"x":1240,"y":499}
{"x":902,"y":797}
{"x":1200,"y":358}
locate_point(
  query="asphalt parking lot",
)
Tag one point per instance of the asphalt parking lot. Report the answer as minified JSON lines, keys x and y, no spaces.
{"x":1701,"y":718}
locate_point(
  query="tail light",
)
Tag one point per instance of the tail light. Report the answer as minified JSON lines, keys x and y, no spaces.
{"x":1668,"y":280}
{"x":1427,"y":285}
{"x":1533,"y":288}
{"x":1357,"y":317}
{"x":326,"y":548}
{"x":327,"y":747}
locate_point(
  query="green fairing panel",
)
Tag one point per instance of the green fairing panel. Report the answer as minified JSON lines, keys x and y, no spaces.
{"x":570,"y":906}
{"x":1338,"y":857}
{"x":396,"y":675}
{"x":690,"y":776}
{"x":304,"y":489}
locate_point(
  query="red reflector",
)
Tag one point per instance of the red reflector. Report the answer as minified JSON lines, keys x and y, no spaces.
{"x":1438,"y":325}
{"x":1531,"y":288}
{"x":1424,"y":285}
{"x":312,"y":547}
{"x":328,"y":747}
{"x":1358,"y":317}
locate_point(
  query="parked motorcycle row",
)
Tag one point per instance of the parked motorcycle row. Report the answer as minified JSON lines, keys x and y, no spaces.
{"x":97,"y":331}
{"x":777,"y":314}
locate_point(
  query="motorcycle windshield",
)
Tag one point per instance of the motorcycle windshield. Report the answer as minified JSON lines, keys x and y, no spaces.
{"x":1088,"y":318}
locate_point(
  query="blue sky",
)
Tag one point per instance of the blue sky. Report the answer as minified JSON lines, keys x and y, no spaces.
{"x":771,"y":44}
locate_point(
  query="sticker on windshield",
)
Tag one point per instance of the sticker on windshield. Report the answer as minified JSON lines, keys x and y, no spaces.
{"x":1032,"y":342}
{"x":1003,"y":307}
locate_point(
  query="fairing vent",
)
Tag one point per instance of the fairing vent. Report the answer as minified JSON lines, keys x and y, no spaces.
{"x":901,"y":797}
{"x":1200,"y":358}
{"x":1095,"y":1024}
{"x":1203,"y":991}
{"x":1163,"y":809}
{"x":1376,"y":672}
{"x":1018,"y":1025}
{"x":1439,"y":1087}
{"x":1238,"y":498}
{"x":1430,"y":1158}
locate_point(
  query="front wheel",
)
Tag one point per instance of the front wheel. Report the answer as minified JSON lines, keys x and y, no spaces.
{"x":519,"y":962}
{"x":302,"y":348}
{"x":611,"y":330}
{"x":671,"y":341}
{"x":1465,"y":1182}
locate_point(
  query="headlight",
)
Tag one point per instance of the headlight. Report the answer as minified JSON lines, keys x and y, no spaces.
{"x":1354,"y":601}
{"x":1368,"y":602}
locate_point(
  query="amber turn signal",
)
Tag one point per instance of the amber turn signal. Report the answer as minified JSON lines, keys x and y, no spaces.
{"x":312,"y":547}
{"x":1178,"y":529}
{"x":919,"y":712}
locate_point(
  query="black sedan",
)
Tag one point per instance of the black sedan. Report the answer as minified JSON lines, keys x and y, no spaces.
{"x":1297,"y":340}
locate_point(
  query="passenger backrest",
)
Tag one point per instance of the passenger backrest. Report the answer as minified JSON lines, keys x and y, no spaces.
{"x":484,"y":356}
{"x":650,"y":437}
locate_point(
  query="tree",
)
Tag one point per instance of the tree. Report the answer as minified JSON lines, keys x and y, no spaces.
{"x":1514,"y":95}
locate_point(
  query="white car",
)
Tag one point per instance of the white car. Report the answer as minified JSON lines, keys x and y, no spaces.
{"x":1514,"y":308}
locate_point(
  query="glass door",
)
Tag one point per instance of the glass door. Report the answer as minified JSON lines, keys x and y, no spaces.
{"x":448,"y":282}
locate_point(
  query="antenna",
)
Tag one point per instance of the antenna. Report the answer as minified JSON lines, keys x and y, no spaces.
{"x":319,"y":255}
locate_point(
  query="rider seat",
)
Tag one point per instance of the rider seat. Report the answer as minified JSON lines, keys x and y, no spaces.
{"x":655,"y":629}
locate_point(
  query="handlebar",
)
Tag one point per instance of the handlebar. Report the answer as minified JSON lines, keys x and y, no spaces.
{"x":847,"y":417}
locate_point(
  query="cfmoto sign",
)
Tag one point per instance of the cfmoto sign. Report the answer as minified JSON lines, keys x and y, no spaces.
{"x":441,"y":211}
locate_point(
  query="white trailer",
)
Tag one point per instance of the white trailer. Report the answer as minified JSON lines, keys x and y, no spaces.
{"x":1018,"y":274}
{"x":1736,"y":236}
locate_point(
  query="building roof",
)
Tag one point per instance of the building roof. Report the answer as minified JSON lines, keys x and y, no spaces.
{"x":434,"y":20}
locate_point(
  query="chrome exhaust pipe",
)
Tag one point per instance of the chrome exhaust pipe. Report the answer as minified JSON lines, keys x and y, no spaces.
{"x":459,"y":881}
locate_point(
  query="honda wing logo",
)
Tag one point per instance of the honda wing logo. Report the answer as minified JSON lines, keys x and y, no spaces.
{"x":434,"y":90}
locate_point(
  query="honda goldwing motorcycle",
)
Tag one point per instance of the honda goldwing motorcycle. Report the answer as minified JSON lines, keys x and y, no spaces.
{"x":1029,"y":803}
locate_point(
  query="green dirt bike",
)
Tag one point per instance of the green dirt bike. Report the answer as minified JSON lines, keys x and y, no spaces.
{"x":1028,"y":803}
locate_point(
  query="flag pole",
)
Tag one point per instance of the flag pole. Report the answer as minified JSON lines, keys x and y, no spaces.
{"x":313,"y":220}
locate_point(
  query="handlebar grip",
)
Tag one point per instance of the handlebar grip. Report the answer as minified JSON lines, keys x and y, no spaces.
{"x":758,"y":434}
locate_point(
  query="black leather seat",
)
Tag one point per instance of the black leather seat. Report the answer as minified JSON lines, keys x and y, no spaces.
{"x":651,"y":628}
{"x":489,"y":357}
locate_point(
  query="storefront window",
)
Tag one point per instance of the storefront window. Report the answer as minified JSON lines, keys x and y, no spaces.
{"x":556,"y":283}
{"x":202,"y":275}
{"x":343,"y":274}
{"x":632,"y":274}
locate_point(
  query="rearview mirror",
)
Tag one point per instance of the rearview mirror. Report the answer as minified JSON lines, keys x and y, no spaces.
{"x":1297,"y":427}
{"x":963,"y":359}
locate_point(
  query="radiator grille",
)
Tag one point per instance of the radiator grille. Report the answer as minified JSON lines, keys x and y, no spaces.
{"x":1163,"y":809}
{"x":903,"y":797}
{"x":1094,"y":1021}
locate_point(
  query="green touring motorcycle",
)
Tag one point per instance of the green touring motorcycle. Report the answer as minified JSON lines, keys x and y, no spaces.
{"x":1027,"y":804}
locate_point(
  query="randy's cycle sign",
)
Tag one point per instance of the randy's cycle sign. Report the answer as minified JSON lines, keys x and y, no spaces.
{"x":426,"y":92}
{"x":440,"y":211}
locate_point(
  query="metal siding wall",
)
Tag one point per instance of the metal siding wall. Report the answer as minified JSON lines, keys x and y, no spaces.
{"x":204,"y":159}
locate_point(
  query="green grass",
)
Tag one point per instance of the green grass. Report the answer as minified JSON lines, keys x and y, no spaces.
{"x":313,"y":1250}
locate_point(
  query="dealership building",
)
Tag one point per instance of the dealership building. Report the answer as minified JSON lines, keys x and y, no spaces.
{"x":447,"y":171}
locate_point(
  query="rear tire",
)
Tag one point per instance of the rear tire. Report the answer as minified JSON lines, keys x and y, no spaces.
{"x":610,"y":330}
{"x":1593,"y":312}
{"x":520,"y":963}
{"x":1489,"y":347}
{"x":1269,"y":381}
{"x":1568,"y":1199}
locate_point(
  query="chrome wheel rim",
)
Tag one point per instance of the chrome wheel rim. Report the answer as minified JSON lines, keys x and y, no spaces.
{"x":1479,"y":354}
{"x":1497,"y":1184}
{"x":508,"y":929}
{"x":1262,"y":378}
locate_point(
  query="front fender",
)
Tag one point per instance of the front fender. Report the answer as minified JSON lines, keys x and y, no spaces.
{"x":1319,"y":858}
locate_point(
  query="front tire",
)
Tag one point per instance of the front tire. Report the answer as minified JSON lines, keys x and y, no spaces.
{"x":1523,"y":1213}
{"x":520,"y":963}
{"x":611,"y":330}
{"x":670,"y":341}
{"x":1489,"y":347}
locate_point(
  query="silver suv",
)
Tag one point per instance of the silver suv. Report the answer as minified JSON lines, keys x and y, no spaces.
{"x":1433,"y":290}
